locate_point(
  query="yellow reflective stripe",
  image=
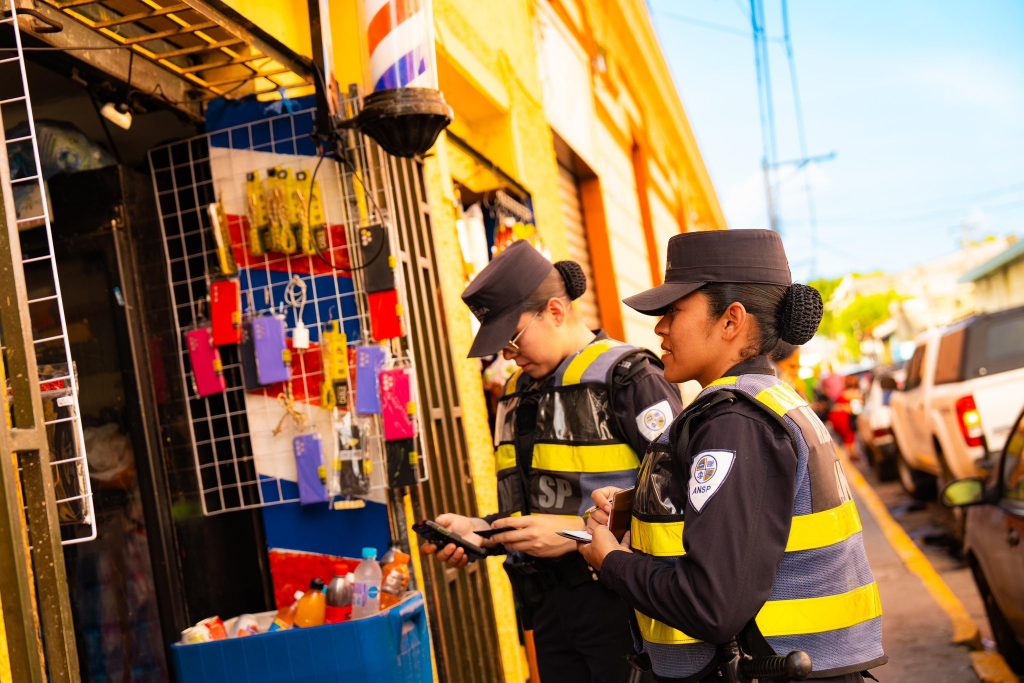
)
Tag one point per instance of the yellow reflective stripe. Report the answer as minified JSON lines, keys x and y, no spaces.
{"x":780,"y":398}
{"x":789,"y":617}
{"x":510,"y":385}
{"x":505,"y":457}
{"x":560,"y":457}
{"x":816,"y":530}
{"x":661,"y":539}
{"x":722,"y":381}
{"x":583,"y":360}
{"x":821,"y":529}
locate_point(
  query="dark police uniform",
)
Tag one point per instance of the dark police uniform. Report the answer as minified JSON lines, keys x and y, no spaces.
{"x":559,"y":439}
{"x":743,"y":523}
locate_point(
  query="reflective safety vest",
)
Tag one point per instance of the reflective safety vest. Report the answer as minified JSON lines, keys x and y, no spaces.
{"x":577,"y":447}
{"x":824,"y":599}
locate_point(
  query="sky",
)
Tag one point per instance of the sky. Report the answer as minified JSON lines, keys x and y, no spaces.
{"x":922,"y":103}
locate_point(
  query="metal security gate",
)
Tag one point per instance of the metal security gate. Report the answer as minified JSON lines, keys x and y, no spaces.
{"x":462,"y":614}
{"x":579,"y":250}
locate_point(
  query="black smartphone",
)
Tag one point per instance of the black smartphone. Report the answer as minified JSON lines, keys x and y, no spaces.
{"x":492,"y":531}
{"x":433,"y":532}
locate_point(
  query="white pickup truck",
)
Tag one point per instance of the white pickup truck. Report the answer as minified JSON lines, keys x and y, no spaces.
{"x":964,"y":387}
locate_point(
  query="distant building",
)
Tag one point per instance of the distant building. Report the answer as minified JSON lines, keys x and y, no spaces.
{"x":999,"y":282}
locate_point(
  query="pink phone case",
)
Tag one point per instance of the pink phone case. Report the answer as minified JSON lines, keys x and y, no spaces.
{"x":205,"y":360}
{"x":397,"y":407}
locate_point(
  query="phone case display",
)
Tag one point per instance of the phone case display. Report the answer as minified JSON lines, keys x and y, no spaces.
{"x":270,"y":348}
{"x":247,"y":358}
{"x":385,"y":315}
{"x":378,"y":263}
{"x":398,"y":407}
{"x":334,"y":348}
{"x":207,"y":375}
{"x":222,"y":238}
{"x":370,"y":361}
{"x":226,"y":312}
{"x":403,"y":463}
{"x":309,"y":464}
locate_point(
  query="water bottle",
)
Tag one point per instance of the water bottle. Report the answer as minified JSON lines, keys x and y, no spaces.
{"x":366,"y":593}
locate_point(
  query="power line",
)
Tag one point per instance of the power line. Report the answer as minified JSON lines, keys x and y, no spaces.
{"x":710,"y":25}
{"x":916,"y":206}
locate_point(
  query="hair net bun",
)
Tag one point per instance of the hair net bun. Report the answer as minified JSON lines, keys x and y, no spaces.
{"x":800,"y":314}
{"x":575,"y":279}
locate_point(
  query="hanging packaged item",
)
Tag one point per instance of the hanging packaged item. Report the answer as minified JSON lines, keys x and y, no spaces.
{"x":279,"y":213}
{"x":312,"y":207}
{"x":259,"y":223}
{"x":222,"y":238}
{"x":370,"y":361}
{"x":334,"y":352}
{"x":309,"y":466}
{"x":270,"y":349}
{"x":247,"y":358}
{"x":385,"y":315}
{"x":403,"y":463}
{"x":378,"y":263}
{"x":352,"y":467}
{"x":207,"y":375}
{"x":398,"y":409}
{"x":226,"y":311}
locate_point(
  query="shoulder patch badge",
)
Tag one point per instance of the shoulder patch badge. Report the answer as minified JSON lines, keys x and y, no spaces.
{"x":707,"y":473}
{"x":653,"y":420}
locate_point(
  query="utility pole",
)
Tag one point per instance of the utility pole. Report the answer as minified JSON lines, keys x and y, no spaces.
{"x":766,"y":109}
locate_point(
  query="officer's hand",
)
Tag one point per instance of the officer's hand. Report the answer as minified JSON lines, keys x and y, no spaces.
{"x":604,"y":543}
{"x":537,"y":535}
{"x":451,"y":554}
{"x":603,"y":503}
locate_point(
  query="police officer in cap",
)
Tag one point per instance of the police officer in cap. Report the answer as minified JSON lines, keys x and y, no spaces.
{"x":743,"y":523}
{"x":576,"y":416}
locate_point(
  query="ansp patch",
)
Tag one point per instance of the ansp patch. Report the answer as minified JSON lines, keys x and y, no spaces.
{"x":653,"y":420}
{"x":707,"y":473}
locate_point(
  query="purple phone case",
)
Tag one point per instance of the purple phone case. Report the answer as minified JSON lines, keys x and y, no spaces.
{"x":369,"y":362}
{"x":269,"y":345}
{"x":309,"y":459}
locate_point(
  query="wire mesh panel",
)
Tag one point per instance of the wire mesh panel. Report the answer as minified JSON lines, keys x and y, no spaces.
{"x":253,"y":211}
{"x":22,"y":182}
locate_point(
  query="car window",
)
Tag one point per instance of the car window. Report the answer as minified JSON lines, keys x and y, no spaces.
{"x":949,"y":362}
{"x":1013,"y":465}
{"x":914,"y":368}
{"x":993,"y":344}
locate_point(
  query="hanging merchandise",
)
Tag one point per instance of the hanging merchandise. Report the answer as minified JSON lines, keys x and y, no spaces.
{"x":378,"y":263}
{"x":403,"y":463}
{"x":259,"y":223}
{"x":398,"y":408}
{"x":207,"y":375}
{"x":295,"y":296}
{"x":226,"y":311}
{"x":270,"y":348}
{"x":309,"y":465}
{"x":370,"y":361}
{"x":222,"y":238}
{"x":385,"y":315}
{"x":352,"y":465}
{"x":334,"y":352}
{"x":309,"y":215}
{"x":276,"y":187}
{"x":247,"y":358}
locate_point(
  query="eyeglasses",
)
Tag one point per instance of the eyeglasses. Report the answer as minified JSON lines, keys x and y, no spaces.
{"x":513,"y":346}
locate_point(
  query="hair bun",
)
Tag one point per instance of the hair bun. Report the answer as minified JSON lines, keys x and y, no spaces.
{"x":575,"y":279}
{"x":799,"y":314}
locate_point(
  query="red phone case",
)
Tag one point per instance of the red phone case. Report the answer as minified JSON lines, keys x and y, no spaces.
{"x":226,"y":311}
{"x":385,"y":315}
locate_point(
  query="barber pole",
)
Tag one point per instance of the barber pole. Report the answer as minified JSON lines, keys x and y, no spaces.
{"x":400,"y":43}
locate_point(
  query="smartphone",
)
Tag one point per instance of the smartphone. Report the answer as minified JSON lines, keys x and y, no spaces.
{"x":433,"y":532}
{"x":573,"y":535}
{"x":622,"y":512}
{"x":492,"y":531}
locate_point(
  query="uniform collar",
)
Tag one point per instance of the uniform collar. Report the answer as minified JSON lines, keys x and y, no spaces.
{"x":600,"y":335}
{"x":758,"y":365}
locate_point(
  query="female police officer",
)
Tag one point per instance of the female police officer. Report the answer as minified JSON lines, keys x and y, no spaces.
{"x":575,"y":417}
{"x":743,"y":524}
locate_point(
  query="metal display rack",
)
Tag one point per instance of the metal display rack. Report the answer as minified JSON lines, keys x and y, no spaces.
{"x":243,"y":439}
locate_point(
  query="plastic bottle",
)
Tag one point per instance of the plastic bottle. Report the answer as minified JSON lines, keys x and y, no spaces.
{"x":366,"y":594}
{"x":396,"y":579}
{"x":339,"y":595}
{"x":285,"y":616}
{"x":312,"y":607}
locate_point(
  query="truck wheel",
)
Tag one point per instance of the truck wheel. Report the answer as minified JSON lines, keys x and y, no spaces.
{"x":1011,"y":649}
{"x":919,"y":485}
{"x":886,"y":463}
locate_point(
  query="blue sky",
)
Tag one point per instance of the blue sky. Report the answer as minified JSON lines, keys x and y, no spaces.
{"x":922,"y":102}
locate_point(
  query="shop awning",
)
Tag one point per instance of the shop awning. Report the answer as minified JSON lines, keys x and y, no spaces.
{"x":207,"y":49}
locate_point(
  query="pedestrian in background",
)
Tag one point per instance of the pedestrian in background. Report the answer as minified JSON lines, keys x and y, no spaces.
{"x":576,"y":416}
{"x":743,"y":523}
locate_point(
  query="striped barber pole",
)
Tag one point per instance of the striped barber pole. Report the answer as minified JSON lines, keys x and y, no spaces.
{"x":399,"y":37}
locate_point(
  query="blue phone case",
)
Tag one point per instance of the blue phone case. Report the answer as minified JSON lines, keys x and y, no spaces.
{"x":369,"y":362}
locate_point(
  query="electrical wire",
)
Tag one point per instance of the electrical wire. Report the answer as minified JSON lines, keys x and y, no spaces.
{"x":766,"y":109}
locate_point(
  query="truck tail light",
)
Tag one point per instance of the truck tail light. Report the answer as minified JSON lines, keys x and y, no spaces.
{"x":970,"y":421}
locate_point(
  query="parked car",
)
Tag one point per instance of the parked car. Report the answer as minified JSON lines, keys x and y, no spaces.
{"x":874,"y":425}
{"x":964,"y":386}
{"x":992,"y":543}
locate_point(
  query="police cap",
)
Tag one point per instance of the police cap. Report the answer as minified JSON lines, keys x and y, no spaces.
{"x":697,"y":258}
{"x":498,"y":295}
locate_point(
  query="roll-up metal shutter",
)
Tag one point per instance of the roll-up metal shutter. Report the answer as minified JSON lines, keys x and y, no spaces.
{"x":579,"y":250}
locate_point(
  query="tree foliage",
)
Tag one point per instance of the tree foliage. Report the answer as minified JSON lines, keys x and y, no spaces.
{"x":850,"y":324}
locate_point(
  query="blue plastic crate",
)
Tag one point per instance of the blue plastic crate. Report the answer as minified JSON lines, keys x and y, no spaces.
{"x":391,"y":647}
